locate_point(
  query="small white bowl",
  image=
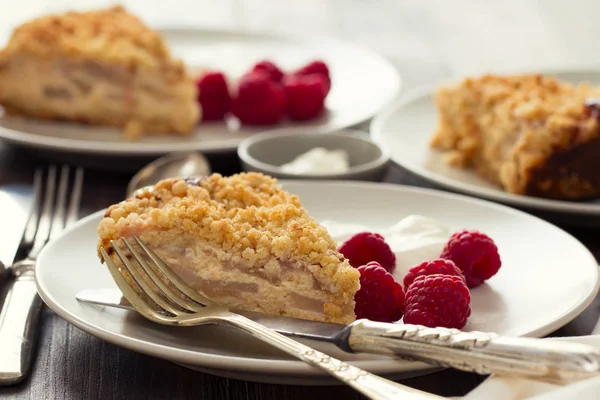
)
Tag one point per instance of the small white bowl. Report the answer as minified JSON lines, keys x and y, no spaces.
{"x":267,"y":152}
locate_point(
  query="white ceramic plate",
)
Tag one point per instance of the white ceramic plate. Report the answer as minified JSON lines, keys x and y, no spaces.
{"x":407,"y":126}
{"x":362,"y":83}
{"x":529,"y":296}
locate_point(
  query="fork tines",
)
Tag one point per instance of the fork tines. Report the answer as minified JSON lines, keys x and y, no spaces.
{"x":140,"y":265}
{"x":51,"y":213}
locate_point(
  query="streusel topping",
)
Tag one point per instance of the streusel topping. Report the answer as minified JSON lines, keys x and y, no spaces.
{"x":541,"y":101}
{"x":110,"y":35}
{"x":248,"y":215}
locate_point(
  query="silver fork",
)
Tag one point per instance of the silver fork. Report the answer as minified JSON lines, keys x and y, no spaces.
{"x":186,"y":307}
{"x":21,"y":309}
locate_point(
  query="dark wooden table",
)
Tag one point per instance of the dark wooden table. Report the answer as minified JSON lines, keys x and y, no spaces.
{"x":427,"y":40}
{"x":71,"y":364}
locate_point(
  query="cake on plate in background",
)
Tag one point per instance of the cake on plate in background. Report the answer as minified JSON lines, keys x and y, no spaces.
{"x":102,"y":67}
{"x":531,"y":134}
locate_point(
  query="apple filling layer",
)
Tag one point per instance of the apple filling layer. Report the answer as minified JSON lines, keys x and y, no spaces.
{"x":279,"y":287}
{"x":87,"y":91}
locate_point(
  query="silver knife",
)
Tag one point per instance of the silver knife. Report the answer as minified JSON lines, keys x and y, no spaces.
{"x":16,"y":204}
{"x":16,"y":207}
{"x":479,"y":352}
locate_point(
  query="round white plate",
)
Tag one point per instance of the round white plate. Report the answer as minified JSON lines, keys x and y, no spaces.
{"x":407,"y":126}
{"x":528,"y":297}
{"x":362,"y":83}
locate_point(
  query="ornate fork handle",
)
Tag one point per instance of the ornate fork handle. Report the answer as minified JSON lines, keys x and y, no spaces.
{"x":480,"y":352}
{"x":372,"y":386}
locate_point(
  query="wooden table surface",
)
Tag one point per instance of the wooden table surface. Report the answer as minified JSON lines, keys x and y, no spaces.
{"x":427,"y":40}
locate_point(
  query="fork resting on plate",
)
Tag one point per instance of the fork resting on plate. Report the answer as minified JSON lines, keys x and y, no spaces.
{"x":186,"y":307}
{"x":479,"y":352}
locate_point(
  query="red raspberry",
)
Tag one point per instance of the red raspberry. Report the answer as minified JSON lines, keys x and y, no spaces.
{"x":270,"y":68}
{"x":380,"y":297}
{"x":213,"y":96}
{"x":437,"y":300}
{"x":365,"y":247}
{"x":306,"y":96}
{"x":475,"y":254}
{"x":259,"y":101}
{"x":439,"y":266}
{"x":316,"y":67}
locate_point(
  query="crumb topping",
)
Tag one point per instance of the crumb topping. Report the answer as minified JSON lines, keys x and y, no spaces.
{"x":507,"y":126}
{"x":248,"y":215}
{"x":112,"y":35}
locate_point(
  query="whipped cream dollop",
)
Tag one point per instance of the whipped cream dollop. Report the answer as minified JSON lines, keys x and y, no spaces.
{"x":318,"y":161}
{"x":413,"y":239}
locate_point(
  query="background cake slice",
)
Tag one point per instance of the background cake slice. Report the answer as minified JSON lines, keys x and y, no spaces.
{"x":531,"y":134}
{"x":101,"y":67}
{"x":242,"y":242}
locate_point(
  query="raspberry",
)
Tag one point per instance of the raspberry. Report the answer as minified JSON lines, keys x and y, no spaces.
{"x":259,"y":101}
{"x":270,"y":68}
{"x":380,"y":297}
{"x":316,"y":67}
{"x":439,"y":266}
{"x":475,"y":254}
{"x":437,"y":300}
{"x":213,"y":96}
{"x":365,"y":247}
{"x":306,"y":96}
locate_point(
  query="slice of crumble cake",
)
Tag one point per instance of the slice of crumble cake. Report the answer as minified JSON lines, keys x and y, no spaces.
{"x":531,"y":134}
{"x":242,"y":242}
{"x":100,"y":67}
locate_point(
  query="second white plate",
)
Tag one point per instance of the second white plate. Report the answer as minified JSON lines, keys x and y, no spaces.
{"x":530,"y":296}
{"x":406,"y":129}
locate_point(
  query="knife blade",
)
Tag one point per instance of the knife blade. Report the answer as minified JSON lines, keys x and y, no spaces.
{"x":16,"y":205}
{"x":479,"y":352}
{"x":322,"y":331}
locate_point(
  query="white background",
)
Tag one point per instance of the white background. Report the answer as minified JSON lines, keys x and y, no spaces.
{"x":427,"y":40}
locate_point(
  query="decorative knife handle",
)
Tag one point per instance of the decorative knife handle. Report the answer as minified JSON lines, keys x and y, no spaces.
{"x":372,"y":386}
{"x":479,"y":352}
{"x":18,"y":328}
